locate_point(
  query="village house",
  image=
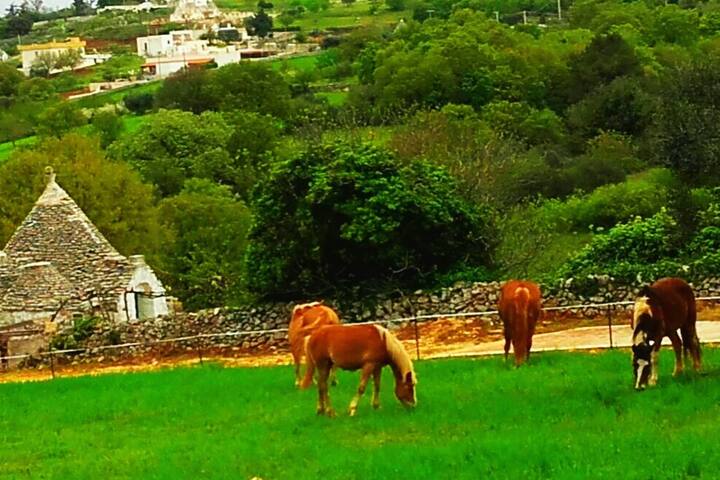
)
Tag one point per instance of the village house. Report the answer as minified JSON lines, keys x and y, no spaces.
{"x":140,"y":7}
{"x":172,"y":52}
{"x":57,"y":266}
{"x":32,"y":53}
{"x":194,"y":10}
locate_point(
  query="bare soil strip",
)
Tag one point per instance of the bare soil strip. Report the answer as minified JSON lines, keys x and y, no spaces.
{"x":438,"y":339}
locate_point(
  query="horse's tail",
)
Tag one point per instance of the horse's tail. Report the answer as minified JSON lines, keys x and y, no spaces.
{"x":520,"y":329}
{"x":310,"y":367}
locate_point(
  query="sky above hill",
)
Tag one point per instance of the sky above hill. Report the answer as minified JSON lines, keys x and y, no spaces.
{"x":51,"y":4}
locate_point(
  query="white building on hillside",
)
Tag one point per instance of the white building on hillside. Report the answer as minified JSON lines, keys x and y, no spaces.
{"x":34,"y":52}
{"x":170,"y":53}
{"x":194,"y":10}
{"x":4,"y":57}
{"x":141,"y":7}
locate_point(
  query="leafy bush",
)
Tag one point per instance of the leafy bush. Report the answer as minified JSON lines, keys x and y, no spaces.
{"x":342,"y":216}
{"x":81,"y":330}
{"x":637,"y":251}
{"x":643,"y":196}
{"x":139,"y":103}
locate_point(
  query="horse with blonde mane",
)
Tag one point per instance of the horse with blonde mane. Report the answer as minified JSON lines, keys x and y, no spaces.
{"x":519,"y":308}
{"x":367,"y":348}
{"x":304,"y":320}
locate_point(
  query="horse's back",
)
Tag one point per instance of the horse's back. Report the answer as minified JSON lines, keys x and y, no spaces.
{"x":513,"y":291}
{"x":348,"y":346}
{"x":309,"y":314}
{"x":676,"y":300}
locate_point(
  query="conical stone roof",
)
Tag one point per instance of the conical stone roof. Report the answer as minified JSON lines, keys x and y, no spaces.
{"x":57,"y":231}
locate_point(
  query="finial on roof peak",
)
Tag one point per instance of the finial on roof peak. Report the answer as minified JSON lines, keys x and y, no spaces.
{"x":49,"y":175}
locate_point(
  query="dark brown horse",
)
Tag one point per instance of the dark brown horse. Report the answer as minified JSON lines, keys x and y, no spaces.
{"x":367,"y":348}
{"x":520,"y":307}
{"x":661,"y":309}
{"x":304,"y":320}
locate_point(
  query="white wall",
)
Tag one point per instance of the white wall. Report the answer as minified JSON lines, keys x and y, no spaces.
{"x":154,"y":46}
{"x":143,"y":280}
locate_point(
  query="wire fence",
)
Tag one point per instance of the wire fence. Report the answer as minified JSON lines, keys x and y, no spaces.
{"x":609,"y":308}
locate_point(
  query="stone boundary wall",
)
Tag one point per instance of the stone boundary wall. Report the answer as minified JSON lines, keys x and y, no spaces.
{"x":462,"y":297}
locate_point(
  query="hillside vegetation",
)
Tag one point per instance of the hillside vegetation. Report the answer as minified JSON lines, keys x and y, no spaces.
{"x":449,"y":146}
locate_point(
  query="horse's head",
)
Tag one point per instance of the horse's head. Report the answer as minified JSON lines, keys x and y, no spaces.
{"x":405,"y":389}
{"x":642,"y":360}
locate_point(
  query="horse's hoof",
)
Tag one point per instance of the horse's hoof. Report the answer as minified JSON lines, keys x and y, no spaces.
{"x":376,"y":406}
{"x":330,"y":413}
{"x":352,"y":412}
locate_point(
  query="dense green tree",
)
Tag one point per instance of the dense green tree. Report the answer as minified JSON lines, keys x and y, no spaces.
{"x":203,"y":259}
{"x":139,"y":103}
{"x":108,"y":125}
{"x":620,"y":106}
{"x":180,"y":91}
{"x":344,"y":216}
{"x":18,"y":22}
{"x":685,"y":132}
{"x":260,"y":24}
{"x":173,"y":146}
{"x":10,"y":80}
{"x":606,"y":58}
{"x":110,"y":193}
{"x":251,"y":86}
{"x":60,"y":119}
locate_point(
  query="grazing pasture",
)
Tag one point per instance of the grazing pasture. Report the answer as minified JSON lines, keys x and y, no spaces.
{"x":564,"y":415}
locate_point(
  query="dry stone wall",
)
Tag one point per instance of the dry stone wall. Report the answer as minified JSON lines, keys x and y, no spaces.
{"x":152,"y":335}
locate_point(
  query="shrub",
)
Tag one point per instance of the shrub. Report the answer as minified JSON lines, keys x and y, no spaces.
{"x":637,"y":251}
{"x":81,"y":330}
{"x":342,"y":216}
{"x":139,"y":103}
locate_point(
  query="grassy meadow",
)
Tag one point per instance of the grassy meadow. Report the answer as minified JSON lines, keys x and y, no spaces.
{"x":564,"y":416}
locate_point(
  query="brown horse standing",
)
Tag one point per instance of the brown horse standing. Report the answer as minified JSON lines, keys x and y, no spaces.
{"x":520,"y":309}
{"x":305,"y":319}
{"x":662,"y":308}
{"x":358,"y":347}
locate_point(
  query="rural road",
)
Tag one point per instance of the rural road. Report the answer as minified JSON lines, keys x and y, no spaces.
{"x":575,"y":339}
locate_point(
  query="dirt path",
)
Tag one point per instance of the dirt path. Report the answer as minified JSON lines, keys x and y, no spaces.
{"x":438,"y":339}
{"x":583,"y":338}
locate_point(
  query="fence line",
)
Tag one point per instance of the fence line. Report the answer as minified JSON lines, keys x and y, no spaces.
{"x":284,"y":330}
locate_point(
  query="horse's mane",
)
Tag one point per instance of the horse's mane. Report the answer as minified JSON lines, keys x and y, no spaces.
{"x":642,"y":306}
{"x":398,"y":354}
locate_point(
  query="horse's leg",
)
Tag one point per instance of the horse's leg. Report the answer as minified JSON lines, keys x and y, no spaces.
{"x":654,"y":364}
{"x":692,"y":343}
{"x":297,"y":360}
{"x":333,"y":376}
{"x":677,"y":347}
{"x":365,"y":373}
{"x":323,"y":394}
{"x":508,"y":338}
{"x":376,"y":388}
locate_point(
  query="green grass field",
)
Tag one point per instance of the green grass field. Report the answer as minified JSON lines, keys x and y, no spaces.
{"x":569,"y":416}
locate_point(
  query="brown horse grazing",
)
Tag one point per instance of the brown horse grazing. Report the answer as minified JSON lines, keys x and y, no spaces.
{"x":359,"y":347}
{"x":305,"y":319}
{"x":662,"y":308}
{"x":520,"y":309}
